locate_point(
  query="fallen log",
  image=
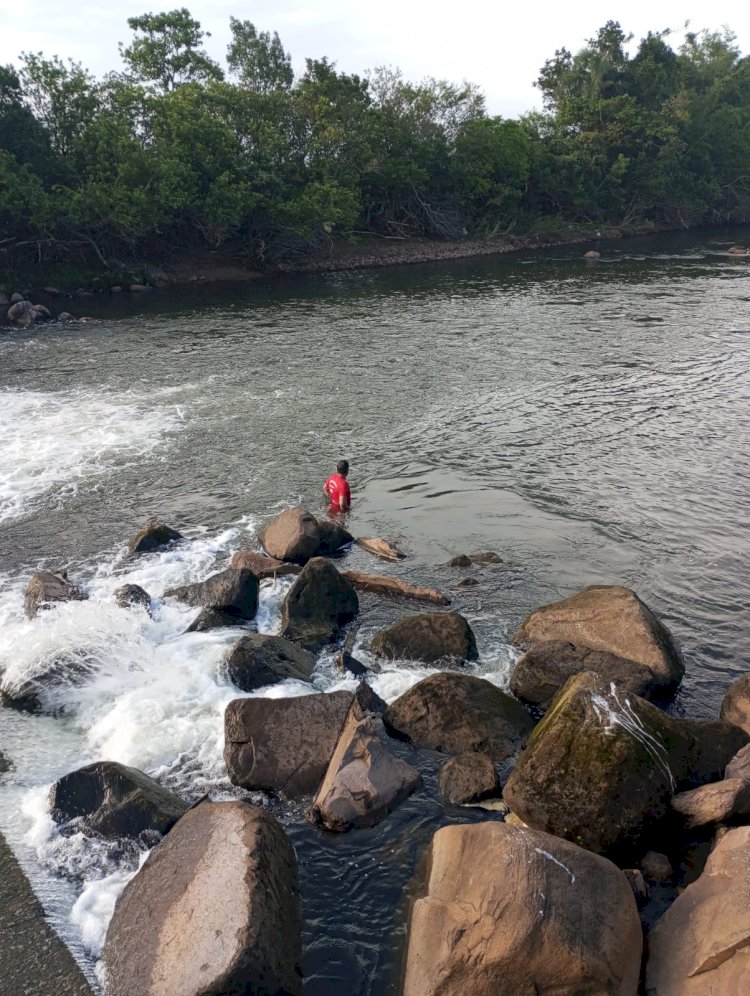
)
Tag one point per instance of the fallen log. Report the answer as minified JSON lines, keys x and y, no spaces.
{"x":380,"y":548}
{"x":378,"y":584}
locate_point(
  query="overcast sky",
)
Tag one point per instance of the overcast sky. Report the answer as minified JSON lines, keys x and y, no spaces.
{"x":501,"y":47}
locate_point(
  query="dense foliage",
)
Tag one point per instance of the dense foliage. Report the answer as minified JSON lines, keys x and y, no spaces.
{"x":176,"y":151}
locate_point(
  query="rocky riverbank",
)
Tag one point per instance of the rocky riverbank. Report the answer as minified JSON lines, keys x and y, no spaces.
{"x":608,"y":820}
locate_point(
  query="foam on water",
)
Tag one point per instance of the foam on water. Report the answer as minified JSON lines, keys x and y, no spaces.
{"x":59,"y":439}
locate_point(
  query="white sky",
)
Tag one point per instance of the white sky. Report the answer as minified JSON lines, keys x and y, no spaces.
{"x":501,"y":47}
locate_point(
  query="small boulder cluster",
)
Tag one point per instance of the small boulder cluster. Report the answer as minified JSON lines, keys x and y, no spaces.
{"x":17,"y":310}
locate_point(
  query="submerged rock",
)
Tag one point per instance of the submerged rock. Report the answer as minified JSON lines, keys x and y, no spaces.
{"x":455,"y":713}
{"x":507,"y":910}
{"x":258,"y":660}
{"x":317,"y":605}
{"x":293,"y":536}
{"x":234,"y":592}
{"x":379,"y":547}
{"x":153,"y":536}
{"x":114,"y":801}
{"x":467,"y":778}
{"x":214,"y":910}
{"x":612,"y":619}
{"x":47,"y":588}
{"x":428,"y":637}
{"x":700,"y":945}
{"x":283,"y":745}
{"x":364,"y":781}
{"x":378,"y":584}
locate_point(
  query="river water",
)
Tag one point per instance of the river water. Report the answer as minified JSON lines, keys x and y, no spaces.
{"x":587,"y":422}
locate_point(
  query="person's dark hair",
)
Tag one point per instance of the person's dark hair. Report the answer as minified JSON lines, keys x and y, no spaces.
{"x":342,"y":467}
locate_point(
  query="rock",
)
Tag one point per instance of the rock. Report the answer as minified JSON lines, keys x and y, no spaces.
{"x":638,"y":884}
{"x":591,"y":254}
{"x":65,"y":316}
{"x":739,"y":766}
{"x":153,"y":536}
{"x":155,"y":275}
{"x":345,"y":662}
{"x":467,"y":583}
{"x":5,"y":764}
{"x":379,"y":547}
{"x":656,"y":867}
{"x":699,"y":947}
{"x":131,"y":595}
{"x":455,"y":713}
{"x":735,"y":707}
{"x":214,"y":910}
{"x":738,"y":250}
{"x":258,"y":660}
{"x":542,"y":671}
{"x":428,"y":637}
{"x":47,"y":588}
{"x":364,"y":781}
{"x":462,"y":560}
{"x":717,"y":802}
{"x":487,"y":557}
{"x":293,"y":536}
{"x":234,"y":592}
{"x":319,"y":602}
{"x":138,"y":288}
{"x":52,"y":291}
{"x":208,"y":619}
{"x":4,"y":299}
{"x":283,"y":745}
{"x":22,"y":313}
{"x":332,"y":538}
{"x":16,"y":298}
{"x":262,"y":566}
{"x":600,"y":769}
{"x":511,"y":911}
{"x":40,"y":311}
{"x":378,"y":584}
{"x":468,"y":778}
{"x":369,"y":701}
{"x":612,"y":619}
{"x":114,"y":801}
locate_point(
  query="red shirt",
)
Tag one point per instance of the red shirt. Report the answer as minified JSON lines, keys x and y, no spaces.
{"x":337,"y":488}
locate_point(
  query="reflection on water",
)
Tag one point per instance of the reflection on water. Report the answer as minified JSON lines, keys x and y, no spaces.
{"x":589,"y":423}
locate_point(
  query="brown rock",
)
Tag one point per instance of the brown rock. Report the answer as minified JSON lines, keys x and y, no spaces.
{"x":364,"y":781}
{"x":283,"y":745}
{"x":428,"y":637}
{"x":468,"y":778}
{"x":657,"y":867}
{"x":319,"y":602}
{"x":467,"y":583}
{"x":22,"y":313}
{"x":332,"y":538}
{"x":345,"y":662}
{"x":153,"y":536}
{"x":46,"y":588}
{"x":368,"y":699}
{"x":735,"y":707}
{"x":612,"y":619}
{"x":214,"y":910}
{"x":542,"y":671}
{"x":638,"y":884}
{"x":514,"y":912}
{"x":293,"y":536}
{"x":739,"y":766}
{"x":262,"y":566}
{"x":461,"y":560}
{"x":380,"y":548}
{"x":258,"y":660}
{"x":701,"y":945}
{"x":234,"y":592}
{"x":208,"y":619}
{"x":488,"y":557}
{"x":454,"y":713}
{"x":378,"y":584}
{"x":717,"y":802}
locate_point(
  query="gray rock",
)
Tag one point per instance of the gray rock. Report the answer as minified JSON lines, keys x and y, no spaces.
{"x":22,"y":313}
{"x":258,"y":660}
{"x":345,"y":662}
{"x":213,"y":911}
{"x":428,"y":637}
{"x":16,"y":298}
{"x":208,"y":619}
{"x":131,"y":596}
{"x":153,"y":536}
{"x":65,"y":316}
{"x":40,"y":311}
{"x":114,"y":801}
{"x":232,"y":591}
{"x":470,"y":777}
{"x":261,"y":565}
{"x":657,"y":867}
{"x":319,"y":602}
{"x":368,"y":699}
{"x":332,"y":538}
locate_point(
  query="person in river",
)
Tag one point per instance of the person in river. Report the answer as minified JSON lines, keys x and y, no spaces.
{"x":336,"y":488}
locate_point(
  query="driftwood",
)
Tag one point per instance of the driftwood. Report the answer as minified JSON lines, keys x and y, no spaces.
{"x":380,"y":548}
{"x":378,"y":584}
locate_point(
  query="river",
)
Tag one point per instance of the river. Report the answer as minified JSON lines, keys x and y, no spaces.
{"x":587,"y":422}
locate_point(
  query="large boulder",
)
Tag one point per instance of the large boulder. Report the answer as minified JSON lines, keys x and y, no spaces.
{"x":457,"y":712}
{"x":22,"y":313}
{"x":261,"y":565}
{"x":153,"y":536}
{"x":600,"y":769}
{"x":468,"y":778}
{"x":701,"y":945}
{"x":332,"y":537}
{"x":258,"y":660}
{"x":428,"y":637}
{"x":232,"y":591}
{"x":364,"y":781}
{"x":293,"y":536}
{"x":612,"y":619}
{"x":214,"y":910}
{"x":542,"y":671}
{"x":319,"y":602}
{"x":283,"y":745}
{"x":114,"y":800}
{"x":735,"y":707}
{"x":514,"y":912}
{"x":379,"y":584}
{"x":47,"y":588}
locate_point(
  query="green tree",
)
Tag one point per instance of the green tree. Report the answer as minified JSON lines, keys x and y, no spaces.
{"x":258,"y":60}
{"x":167,"y":50}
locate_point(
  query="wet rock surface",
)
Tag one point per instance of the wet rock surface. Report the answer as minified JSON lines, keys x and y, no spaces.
{"x":258,"y":660}
{"x":47,"y":588}
{"x":232,"y":591}
{"x":132,"y":595}
{"x":153,"y":536}
{"x":468,"y":778}
{"x":317,"y":605}
{"x":261,"y":565}
{"x":428,"y":637}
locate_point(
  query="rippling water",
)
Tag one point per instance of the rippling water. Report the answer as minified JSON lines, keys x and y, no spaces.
{"x":587,"y":422}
